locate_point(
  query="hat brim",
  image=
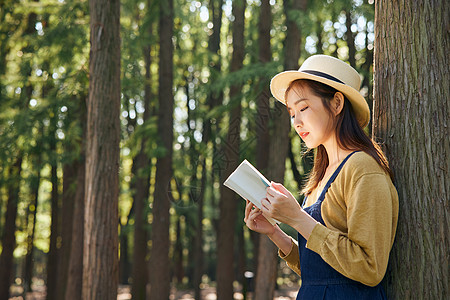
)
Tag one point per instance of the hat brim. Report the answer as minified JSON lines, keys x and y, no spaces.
{"x":281,"y":81}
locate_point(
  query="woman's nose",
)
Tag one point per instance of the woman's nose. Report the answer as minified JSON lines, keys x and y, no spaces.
{"x":297,"y":122}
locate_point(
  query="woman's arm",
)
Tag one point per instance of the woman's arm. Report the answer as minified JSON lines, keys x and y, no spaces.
{"x":281,"y":240}
{"x":362,"y":252}
{"x":255,"y":221}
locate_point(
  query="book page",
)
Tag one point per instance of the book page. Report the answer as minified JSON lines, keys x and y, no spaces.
{"x":250,"y":184}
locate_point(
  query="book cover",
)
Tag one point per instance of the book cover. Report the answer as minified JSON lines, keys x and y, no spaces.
{"x":250,"y":184}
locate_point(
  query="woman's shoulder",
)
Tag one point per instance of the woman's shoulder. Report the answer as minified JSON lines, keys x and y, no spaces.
{"x":362,"y":163}
{"x":363,"y":171}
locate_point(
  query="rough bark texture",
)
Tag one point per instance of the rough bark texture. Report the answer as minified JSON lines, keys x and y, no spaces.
{"x":9,"y":230}
{"x":68,"y":200}
{"x":31,"y":216}
{"x":228,"y":200}
{"x":52,"y":263}
{"x":279,"y":143}
{"x":75,"y":264}
{"x":100,"y":259}
{"x":159,"y":270}
{"x":350,"y":38}
{"x":411,"y":109}
{"x":142,"y":165}
{"x":263,"y":105}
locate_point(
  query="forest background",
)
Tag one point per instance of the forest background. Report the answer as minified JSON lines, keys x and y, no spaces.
{"x":185,"y":99}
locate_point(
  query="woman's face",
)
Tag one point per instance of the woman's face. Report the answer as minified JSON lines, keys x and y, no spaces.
{"x":311,"y":120}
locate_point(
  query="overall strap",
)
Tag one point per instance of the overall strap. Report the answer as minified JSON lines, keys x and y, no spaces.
{"x":333,"y":177}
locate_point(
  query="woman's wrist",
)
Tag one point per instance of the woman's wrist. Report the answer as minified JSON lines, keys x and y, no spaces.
{"x":276,"y":231}
{"x":281,"y":240}
{"x":305,"y":224}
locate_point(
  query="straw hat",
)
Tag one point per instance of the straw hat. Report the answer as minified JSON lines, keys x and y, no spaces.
{"x":330,"y":71}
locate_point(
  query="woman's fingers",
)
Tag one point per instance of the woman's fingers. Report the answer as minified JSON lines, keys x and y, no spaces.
{"x":251,"y":219}
{"x":248,"y":208}
{"x":265,"y":204}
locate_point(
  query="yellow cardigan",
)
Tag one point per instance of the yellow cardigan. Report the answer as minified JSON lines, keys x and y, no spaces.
{"x":360,"y":212}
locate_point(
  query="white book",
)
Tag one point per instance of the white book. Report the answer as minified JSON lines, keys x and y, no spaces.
{"x":250,"y":184}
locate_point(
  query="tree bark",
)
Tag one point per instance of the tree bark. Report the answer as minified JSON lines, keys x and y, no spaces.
{"x":100,"y":259}
{"x":349,"y":36}
{"x":142,"y":166}
{"x":411,"y":109}
{"x":159,"y":267}
{"x":212,"y":102}
{"x":9,"y":230}
{"x":228,"y":201}
{"x":297,"y":176}
{"x":31,"y":228}
{"x":263,"y":106}
{"x":74,"y":284}
{"x":52,"y":263}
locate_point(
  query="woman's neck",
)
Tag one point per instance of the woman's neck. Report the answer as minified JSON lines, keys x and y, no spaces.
{"x":335,"y":153}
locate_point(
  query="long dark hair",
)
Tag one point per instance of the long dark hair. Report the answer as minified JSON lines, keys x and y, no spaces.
{"x":349,"y":134}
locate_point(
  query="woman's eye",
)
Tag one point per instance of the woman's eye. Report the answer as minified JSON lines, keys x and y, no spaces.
{"x":292,"y":116}
{"x":304,"y":108}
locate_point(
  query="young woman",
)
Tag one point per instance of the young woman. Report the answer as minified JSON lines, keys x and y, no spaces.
{"x":347,"y":223}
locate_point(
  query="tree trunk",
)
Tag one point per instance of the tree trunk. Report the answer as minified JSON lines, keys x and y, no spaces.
{"x":228,"y":201}
{"x":75,"y":265}
{"x":52,"y":263}
{"x":159,"y":267}
{"x":142,"y":165}
{"x":411,"y":109}
{"x":263,"y":106}
{"x":31,"y":228}
{"x":212,"y":102}
{"x":349,"y":36}
{"x":100,"y":260}
{"x":68,"y":202}
{"x":279,"y":143}
{"x":9,"y":231}
{"x":297,"y":176}
{"x":142,"y":186}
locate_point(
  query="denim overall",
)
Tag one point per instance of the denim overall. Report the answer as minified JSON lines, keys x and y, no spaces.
{"x":319,"y":279}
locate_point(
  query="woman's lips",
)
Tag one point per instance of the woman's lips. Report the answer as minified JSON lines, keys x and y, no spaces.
{"x":303,"y":134}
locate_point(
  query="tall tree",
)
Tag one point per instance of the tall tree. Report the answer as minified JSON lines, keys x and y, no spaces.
{"x":263,"y":103}
{"x":349,"y":36}
{"x":228,"y":201}
{"x":52,"y":263}
{"x":74,"y":283}
{"x":100,"y":259}
{"x":35,"y":182}
{"x":9,"y":230}
{"x":142,"y":165}
{"x":15,"y":169}
{"x":411,"y":110}
{"x":215,"y":7}
{"x":159,"y":268}
{"x":278,"y":151}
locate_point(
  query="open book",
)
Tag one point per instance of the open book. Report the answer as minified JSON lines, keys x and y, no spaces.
{"x":250,"y":184}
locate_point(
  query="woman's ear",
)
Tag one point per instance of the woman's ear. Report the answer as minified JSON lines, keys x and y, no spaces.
{"x":337,"y":103}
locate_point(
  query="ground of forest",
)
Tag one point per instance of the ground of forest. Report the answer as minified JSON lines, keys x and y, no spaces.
{"x":284,"y":293}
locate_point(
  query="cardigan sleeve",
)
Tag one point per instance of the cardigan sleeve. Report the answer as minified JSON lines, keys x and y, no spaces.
{"x":362,"y":252}
{"x":292,"y":259}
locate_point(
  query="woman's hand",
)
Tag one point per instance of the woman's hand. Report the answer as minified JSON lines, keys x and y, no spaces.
{"x":256,"y":221}
{"x":281,"y":205}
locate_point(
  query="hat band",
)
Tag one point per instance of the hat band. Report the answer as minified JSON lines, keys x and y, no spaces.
{"x":321,"y":74}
